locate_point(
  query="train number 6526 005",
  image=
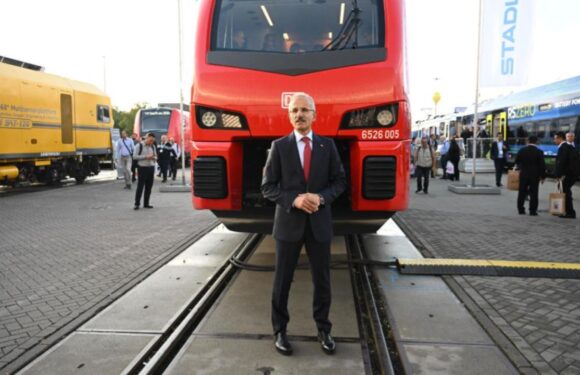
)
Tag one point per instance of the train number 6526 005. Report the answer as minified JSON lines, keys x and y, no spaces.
{"x":378,"y":134}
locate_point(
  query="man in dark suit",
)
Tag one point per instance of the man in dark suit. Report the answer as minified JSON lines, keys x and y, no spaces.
{"x":303,"y":175}
{"x":530,"y":162}
{"x":566,"y":171}
{"x":499,"y":155}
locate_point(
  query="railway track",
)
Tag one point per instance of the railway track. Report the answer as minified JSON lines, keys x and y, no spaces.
{"x":373,"y":324}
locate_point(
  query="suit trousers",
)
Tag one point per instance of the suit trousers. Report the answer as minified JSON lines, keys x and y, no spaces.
{"x":164,"y":165}
{"x":567,"y":189}
{"x":287,"y":254}
{"x":499,"y":164}
{"x":145,"y":180}
{"x":528,"y":186}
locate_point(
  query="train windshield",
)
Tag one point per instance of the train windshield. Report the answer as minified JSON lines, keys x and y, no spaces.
{"x":297,"y":26}
{"x":155,"y":120}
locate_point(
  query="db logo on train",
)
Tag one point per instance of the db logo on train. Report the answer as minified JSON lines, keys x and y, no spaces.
{"x":285,"y":99}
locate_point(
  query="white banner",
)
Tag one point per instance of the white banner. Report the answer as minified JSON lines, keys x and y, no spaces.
{"x":506,"y":42}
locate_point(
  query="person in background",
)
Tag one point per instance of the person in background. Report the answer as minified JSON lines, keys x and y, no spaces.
{"x":433,"y":145}
{"x":566,"y":171}
{"x":530,"y":162}
{"x":453,"y":156}
{"x":499,"y":155}
{"x":239,"y":40}
{"x":424,"y":160}
{"x":135,"y":139}
{"x":270,"y":43}
{"x":125,"y":150}
{"x":164,"y":154}
{"x":443,"y":152}
{"x":145,"y":154}
{"x":174,"y":158}
{"x":570,"y":139}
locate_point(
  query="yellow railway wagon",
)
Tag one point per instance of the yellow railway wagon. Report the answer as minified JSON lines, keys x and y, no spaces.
{"x":51,"y":127}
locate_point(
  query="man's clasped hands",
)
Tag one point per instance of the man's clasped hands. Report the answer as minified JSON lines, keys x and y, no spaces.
{"x":307,"y":202}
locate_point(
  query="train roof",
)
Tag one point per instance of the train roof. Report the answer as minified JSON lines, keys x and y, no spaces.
{"x":20,"y":73}
{"x":561,"y":90}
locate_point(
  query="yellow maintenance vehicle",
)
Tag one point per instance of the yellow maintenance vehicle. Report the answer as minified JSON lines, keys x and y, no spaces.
{"x":50,"y":127}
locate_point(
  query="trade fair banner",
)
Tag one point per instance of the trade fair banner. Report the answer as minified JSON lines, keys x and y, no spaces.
{"x":506,"y":42}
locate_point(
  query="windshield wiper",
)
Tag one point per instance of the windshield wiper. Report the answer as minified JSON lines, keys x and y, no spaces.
{"x":348,"y":31}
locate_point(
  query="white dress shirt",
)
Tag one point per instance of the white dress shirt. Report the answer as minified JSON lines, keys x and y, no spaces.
{"x":301,"y":144}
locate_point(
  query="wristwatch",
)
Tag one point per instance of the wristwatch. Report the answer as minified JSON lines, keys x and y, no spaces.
{"x":321,"y":199}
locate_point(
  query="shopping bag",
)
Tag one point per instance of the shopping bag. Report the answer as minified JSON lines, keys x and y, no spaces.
{"x":557,"y":202}
{"x":450,"y":169}
{"x":513,"y":180}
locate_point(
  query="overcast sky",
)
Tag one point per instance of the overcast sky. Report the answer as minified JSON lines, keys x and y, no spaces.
{"x":136,"y":40}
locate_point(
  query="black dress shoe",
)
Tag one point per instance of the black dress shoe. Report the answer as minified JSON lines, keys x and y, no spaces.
{"x":326,"y":342}
{"x":136,"y":207}
{"x":567,"y":216}
{"x":282,"y":344}
{"x":522,"y":212}
{"x":533,"y":214}
{"x":147,"y":206}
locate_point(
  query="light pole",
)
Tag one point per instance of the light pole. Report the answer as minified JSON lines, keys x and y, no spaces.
{"x":181,"y":97}
{"x":105,"y":74}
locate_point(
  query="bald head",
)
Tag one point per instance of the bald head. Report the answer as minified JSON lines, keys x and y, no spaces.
{"x":302,"y":95}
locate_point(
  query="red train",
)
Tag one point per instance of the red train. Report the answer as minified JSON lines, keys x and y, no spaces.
{"x":251,"y":56}
{"x":164,"y":120}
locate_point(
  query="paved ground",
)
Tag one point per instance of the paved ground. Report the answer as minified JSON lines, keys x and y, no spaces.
{"x":541,"y":317}
{"x":67,"y":252}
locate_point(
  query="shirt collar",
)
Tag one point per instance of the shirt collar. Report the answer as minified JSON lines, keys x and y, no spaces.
{"x":300,"y":136}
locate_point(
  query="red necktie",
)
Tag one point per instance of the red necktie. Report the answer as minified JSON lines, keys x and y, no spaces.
{"x":307,"y":156}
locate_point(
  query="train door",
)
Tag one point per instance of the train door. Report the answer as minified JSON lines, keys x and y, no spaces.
{"x":66,"y":118}
{"x":500,"y":124}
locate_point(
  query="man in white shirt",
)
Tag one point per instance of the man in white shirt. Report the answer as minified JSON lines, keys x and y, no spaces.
{"x":125,"y":150}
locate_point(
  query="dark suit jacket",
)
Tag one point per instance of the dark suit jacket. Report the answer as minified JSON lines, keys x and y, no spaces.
{"x":283,"y":180}
{"x":530,"y":162}
{"x":495,"y":151}
{"x":565,"y":161}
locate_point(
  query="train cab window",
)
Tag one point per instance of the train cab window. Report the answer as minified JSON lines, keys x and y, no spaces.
{"x":296,"y":26}
{"x":103,"y":114}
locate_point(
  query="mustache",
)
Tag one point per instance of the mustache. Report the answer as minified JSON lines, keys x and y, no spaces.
{"x":300,"y":118}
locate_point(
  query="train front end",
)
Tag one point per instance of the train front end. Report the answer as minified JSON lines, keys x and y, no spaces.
{"x":252,"y":56}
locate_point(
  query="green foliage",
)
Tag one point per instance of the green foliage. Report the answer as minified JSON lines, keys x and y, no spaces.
{"x":126,"y":120}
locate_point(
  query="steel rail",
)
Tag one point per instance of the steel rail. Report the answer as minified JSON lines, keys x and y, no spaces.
{"x":367,"y":312}
{"x":160,"y":355}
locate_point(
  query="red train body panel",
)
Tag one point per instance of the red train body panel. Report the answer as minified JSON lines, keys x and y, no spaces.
{"x":251,"y":86}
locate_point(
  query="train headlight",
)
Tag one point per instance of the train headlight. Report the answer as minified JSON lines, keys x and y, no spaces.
{"x":211,"y":118}
{"x":371,"y":117}
{"x":385,"y":117}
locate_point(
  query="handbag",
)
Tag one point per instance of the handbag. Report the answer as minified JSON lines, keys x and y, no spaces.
{"x":450,"y":169}
{"x":513,"y":180}
{"x":558,"y":202}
